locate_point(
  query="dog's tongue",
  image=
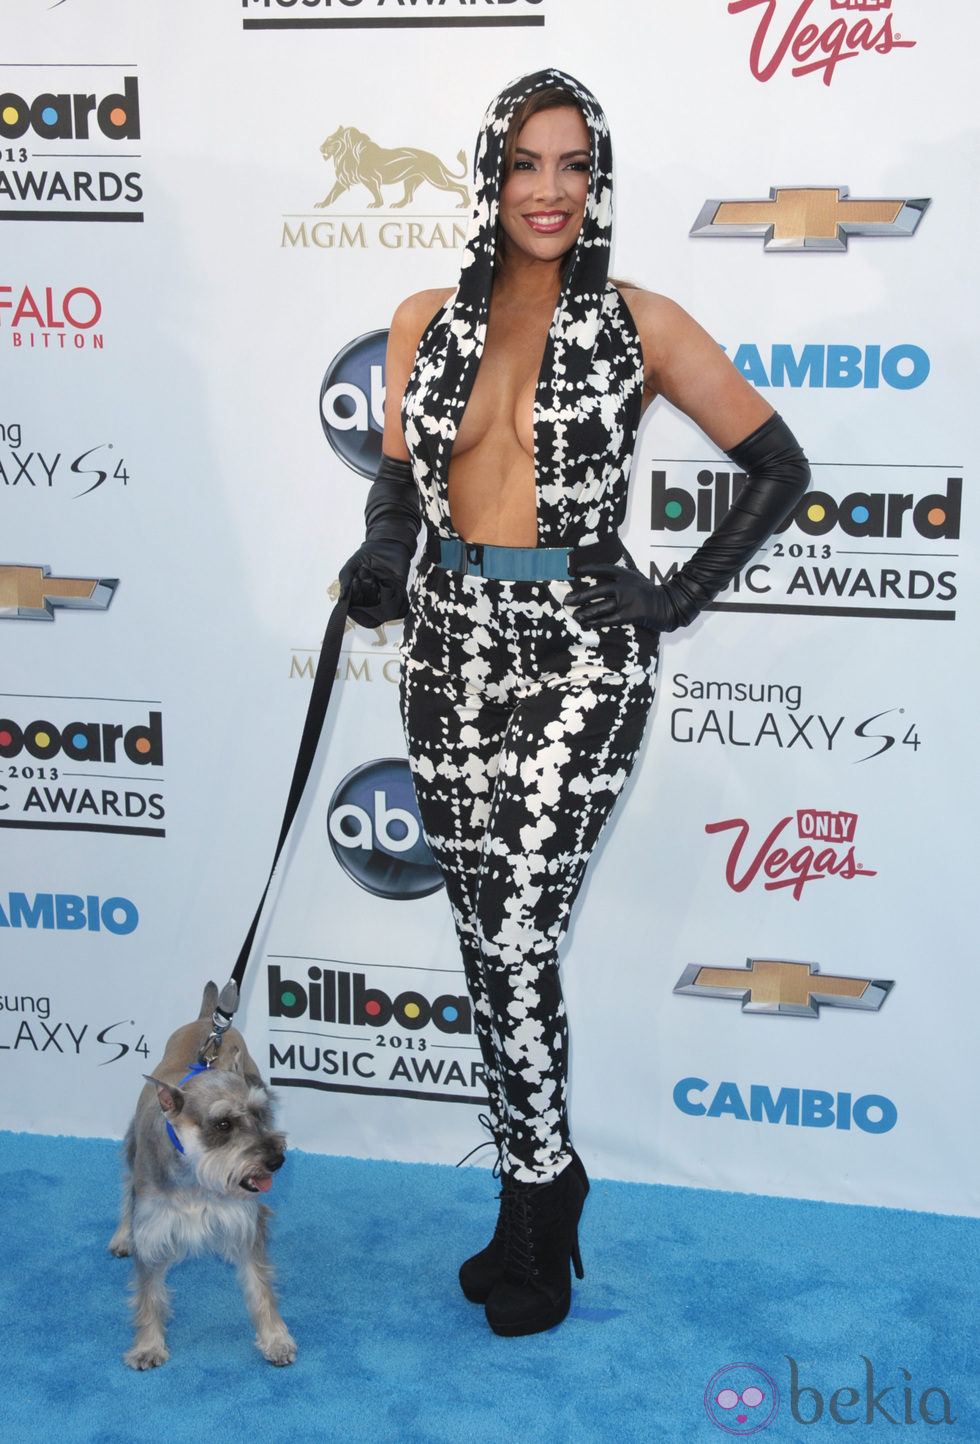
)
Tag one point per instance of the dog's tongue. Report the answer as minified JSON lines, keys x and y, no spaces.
{"x":262,"y":1181}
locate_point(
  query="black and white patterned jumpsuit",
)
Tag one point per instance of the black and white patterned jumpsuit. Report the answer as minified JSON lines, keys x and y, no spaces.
{"x":522,"y":724}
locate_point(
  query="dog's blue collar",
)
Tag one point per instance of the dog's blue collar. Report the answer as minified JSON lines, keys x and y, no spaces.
{"x":192,"y":1072}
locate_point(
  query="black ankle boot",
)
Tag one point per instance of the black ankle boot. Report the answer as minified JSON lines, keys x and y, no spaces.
{"x":540,"y":1235}
{"x":478,"y":1274}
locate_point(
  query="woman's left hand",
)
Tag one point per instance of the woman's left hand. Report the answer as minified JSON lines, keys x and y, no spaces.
{"x":620,"y":596}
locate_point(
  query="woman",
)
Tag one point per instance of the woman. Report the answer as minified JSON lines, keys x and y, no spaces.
{"x":530,"y":645}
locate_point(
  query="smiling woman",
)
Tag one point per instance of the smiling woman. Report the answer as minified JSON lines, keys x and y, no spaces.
{"x":512,"y":404}
{"x":548,"y":184}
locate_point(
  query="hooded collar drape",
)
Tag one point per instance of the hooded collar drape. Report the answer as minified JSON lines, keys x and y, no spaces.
{"x":587,"y":400}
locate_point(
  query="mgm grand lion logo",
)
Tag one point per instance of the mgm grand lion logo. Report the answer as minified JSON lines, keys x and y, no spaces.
{"x":358,"y":160}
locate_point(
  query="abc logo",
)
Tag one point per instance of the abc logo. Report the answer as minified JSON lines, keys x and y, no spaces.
{"x":376,"y":835}
{"x":352,"y":400}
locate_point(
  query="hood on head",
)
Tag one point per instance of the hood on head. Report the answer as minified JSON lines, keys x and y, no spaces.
{"x":588,"y":269}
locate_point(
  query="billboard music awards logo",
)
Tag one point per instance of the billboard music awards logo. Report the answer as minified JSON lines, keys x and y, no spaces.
{"x":814,"y":37}
{"x":81,"y":765}
{"x":387,"y":1029}
{"x":884,"y":549}
{"x":391,"y":14}
{"x":69,"y":144}
{"x":382,"y":1028}
{"x":371,"y":177}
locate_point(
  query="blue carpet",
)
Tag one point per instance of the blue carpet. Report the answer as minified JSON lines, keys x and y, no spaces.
{"x":855,"y":1316}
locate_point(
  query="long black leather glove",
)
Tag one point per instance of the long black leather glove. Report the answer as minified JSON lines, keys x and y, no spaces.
{"x":777,"y":475}
{"x":375,"y":578}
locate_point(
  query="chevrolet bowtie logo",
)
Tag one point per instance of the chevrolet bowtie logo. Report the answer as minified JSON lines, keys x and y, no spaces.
{"x":797,"y":989}
{"x":814,"y":218}
{"x":33,"y":593}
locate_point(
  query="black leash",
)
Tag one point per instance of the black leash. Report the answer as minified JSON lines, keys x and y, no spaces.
{"x":326,"y":671}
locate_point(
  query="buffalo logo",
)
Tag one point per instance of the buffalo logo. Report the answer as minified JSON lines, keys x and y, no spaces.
{"x":795,"y":990}
{"x":815,"y":218}
{"x":358,"y":160}
{"x":33,"y":593}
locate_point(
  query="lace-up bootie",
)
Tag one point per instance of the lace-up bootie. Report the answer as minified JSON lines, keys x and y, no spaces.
{"x":478,"y":1274}
{"x":540,"y":1235}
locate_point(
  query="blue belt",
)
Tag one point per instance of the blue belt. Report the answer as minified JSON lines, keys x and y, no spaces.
{"x":502,"y":564}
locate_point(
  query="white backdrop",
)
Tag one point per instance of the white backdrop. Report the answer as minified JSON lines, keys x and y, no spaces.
{"x":178,"y":319}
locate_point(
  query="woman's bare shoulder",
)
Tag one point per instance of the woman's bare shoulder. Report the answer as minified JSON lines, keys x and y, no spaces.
{"x":648,"y":307}
{"x":662,"y":324}
{"x":684,"y":364}
{"x":416,"y":311}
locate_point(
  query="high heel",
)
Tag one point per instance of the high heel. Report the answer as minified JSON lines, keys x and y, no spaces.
{"x":540,"y":1236}
{"x":477,"y":1275}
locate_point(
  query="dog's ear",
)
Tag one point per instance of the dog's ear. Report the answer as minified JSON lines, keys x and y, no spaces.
{"x":171,"y":1099}
{"x":209,"y":1001}
{"x":239,"y":1059}
{"x":239,"y":1064}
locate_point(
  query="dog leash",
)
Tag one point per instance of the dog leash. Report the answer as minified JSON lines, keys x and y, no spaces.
{"x":323,"y":680}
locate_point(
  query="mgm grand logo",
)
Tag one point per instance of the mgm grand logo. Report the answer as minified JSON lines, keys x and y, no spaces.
{"x":390,"y":177}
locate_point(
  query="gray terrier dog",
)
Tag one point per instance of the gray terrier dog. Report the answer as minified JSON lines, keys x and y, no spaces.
{"x":199,"y":1151}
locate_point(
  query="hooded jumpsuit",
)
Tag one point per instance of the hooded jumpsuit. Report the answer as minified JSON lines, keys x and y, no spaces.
{"x":522,"y":724}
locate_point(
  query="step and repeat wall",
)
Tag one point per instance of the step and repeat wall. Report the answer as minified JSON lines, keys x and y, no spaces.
{"x":208,"y":215}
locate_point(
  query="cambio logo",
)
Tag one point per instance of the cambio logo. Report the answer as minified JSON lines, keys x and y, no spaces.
{"x":69,"y":912}
{"x":903,"y":367}
{"x":352,"y":400}
{"x":792,"y":1107}
{"x":376,"y":835}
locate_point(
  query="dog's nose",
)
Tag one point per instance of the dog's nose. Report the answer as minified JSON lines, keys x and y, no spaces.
{"x":275,"y":1161}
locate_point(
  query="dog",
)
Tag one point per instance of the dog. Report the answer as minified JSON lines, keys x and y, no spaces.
{"x":359,"y":159}
{"x":200,"y":1152}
